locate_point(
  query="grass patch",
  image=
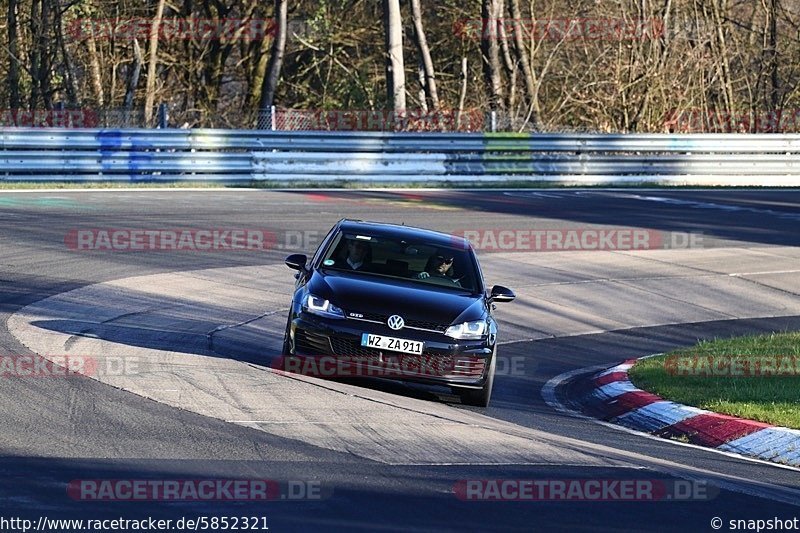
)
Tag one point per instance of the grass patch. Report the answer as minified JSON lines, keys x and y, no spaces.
{"x":755,"y":377}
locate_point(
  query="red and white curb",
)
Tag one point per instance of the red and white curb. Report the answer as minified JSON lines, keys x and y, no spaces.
{"x":611,"y":396}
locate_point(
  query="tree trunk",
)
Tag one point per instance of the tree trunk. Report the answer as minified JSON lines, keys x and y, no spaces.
{"x":527,"y":71}
{"x":511,"y":68}
{"x":719,"y":10}
{"x":71,"y":85}
{"x":395,"y":69}
{"x":490,"y":48}
{"x":425,"y":53}
{"x":94,"y":67}
{"x":13,"y":53}
{"x":273,"y":74}
{"x":46,"y":60}
{"x":40,"y":54}
{"x":133,"y":79}
{"x":213,"y":72}
{"x":260,"y":51}
{"x":462,"y":96}
{"x":150,"y":91}
{"x":774,"y":95}
{"x":423,"y":94}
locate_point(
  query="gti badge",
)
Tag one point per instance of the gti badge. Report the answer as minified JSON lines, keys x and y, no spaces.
{"x":395,"y":322}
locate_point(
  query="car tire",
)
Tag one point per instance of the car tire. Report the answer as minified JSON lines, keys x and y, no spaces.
{"x":286,"y":350}
{"x":480,"y":397}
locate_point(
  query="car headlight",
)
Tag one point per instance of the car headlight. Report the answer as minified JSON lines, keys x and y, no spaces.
{"x":468,"y":330}
{"x":322,"y":307}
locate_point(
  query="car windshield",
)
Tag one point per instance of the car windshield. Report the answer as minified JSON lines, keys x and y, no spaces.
{"x":417,"y":261}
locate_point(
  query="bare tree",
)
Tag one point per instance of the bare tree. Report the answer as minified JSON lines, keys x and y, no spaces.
{"x":133,"y":78}
{"x":94,"y":68}
{"x":774,"y":101}
{"x":721,"y":53}
{"x":150,"y":90}
{"x":395,"y":69}
{"x":422,"y":94}
{"x":511,"y":68}
{"x":491,"y":15}
{"x":270,"y":82}
{"x":462,"y":95}
{"x":13,"y":56}
{"x":525,"y":63}
{"x":41,"y":59}
{"x":424,"y":51}
{"x":68,"y":67}
{"x":720,"y":61}
{"x":258,"y":52}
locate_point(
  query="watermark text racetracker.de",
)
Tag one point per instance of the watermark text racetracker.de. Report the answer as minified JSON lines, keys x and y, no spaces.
{"x":174,"y":29}
{"x":715,"y":121}
{"x":560,"y":29}
{"x":577,"y":239}
{"x":175,"y":239}
{"x":182,"y":490}
{"x":49,"y":118}
{"x":66,"y":366}
{"x":189,"y":240}
{"x":590,"y":490}
{"x":732,"y":365}
{"x":379,"y":120}
{"x":390,"y":365}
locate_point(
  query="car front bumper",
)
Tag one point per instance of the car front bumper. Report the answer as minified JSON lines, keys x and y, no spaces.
{"x":331,"y":348}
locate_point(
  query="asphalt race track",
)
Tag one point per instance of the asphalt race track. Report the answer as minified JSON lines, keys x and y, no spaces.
{"x":199,"y":329}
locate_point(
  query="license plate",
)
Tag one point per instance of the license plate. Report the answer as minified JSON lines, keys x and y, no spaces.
{"x":391,"y":343}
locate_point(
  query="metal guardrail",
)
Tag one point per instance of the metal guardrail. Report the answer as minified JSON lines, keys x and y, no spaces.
{"x":245,"y":155}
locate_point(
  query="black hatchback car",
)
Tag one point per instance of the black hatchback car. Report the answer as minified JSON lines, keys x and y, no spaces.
{"x":391,"y":301}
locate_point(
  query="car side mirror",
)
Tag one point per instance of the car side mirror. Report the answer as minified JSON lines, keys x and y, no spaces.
{"x":501,"y":294}
{"x":296,"y":262}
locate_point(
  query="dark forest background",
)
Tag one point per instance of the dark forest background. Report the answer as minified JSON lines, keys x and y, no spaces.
{"x":611,"y":65}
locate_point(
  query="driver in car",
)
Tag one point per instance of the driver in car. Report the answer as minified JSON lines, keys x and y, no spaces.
{"x":439,"y":267}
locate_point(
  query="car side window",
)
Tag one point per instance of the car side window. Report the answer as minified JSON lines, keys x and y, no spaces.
{"x":323,"y":246}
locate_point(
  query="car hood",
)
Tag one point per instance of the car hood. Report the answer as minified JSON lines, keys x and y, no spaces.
{"x":371,"y":294}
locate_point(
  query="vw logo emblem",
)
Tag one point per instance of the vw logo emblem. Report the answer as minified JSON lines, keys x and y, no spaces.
{"x":395,"y":322}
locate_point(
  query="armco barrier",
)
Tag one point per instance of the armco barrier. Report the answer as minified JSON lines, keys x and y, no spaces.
{"x":146,"y":155}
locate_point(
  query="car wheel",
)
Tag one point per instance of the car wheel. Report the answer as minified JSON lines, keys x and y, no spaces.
{"x":286,"y":350}
{"x":480,"y":397}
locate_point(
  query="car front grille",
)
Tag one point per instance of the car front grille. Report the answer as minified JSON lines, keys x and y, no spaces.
{"x":351,"y":348}
{"x":427,"y":364}
{"x":417,"y":324}
{"x":311,"y":343}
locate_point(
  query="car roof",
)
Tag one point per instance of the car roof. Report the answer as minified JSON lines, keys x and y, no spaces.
{"x":386,"y":230}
